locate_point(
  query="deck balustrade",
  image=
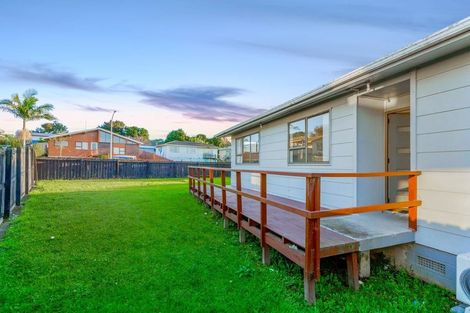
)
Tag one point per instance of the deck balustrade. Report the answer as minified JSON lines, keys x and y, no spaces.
{"x":314,"y":246}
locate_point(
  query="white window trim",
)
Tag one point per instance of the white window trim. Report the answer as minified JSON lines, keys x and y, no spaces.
{"x":306,"y":140}
{"x":237,"y":154}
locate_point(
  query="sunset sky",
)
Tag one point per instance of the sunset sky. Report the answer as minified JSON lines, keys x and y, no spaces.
{"x":197,"y":65}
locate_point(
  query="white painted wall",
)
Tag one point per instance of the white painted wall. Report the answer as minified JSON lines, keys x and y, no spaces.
{"x":185,"y":153}
{"x":370,"y":150}
{"x":336,"y":192}
{"x":443,"y":154}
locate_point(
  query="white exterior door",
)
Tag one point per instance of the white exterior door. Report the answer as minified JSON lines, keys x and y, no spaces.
{"x":398,"y":150}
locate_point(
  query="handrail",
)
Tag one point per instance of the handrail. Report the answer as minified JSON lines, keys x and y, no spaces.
{"x":313,"y":174}
{"x":312,"y":212}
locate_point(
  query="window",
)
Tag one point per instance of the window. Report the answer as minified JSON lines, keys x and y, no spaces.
{"x":104,"y":137}
{"x":94,"y":146}
{"x":81,"y":145}
{"x":61,"y":143}
{"x":117,"y":150}
{"x":247,"y":149}
{"x":174,"y":149}
{"x":309,"y":139}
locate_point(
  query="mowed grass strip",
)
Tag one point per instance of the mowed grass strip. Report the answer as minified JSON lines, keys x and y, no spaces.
{"x":148,"y":246}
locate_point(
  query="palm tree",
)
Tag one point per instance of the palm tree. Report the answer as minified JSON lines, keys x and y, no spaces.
{"x":27,"y":109}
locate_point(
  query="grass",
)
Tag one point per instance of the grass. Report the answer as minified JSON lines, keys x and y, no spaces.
{"x":148,"y":246}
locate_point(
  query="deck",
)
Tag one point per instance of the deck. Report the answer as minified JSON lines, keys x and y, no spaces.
{"x":339,"y":235}
{"x":304,"y":232}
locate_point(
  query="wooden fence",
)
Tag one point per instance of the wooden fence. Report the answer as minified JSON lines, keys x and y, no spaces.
{"x":87,"y":168}
{"x":17,"y":177}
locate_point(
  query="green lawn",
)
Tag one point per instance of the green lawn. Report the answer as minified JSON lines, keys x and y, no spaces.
{"x":148,"y":246}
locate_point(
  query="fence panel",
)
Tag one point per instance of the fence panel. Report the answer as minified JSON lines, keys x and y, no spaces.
{"x":2,"y":181}
{"x":10,"y":181}
{"x":87,"y":168}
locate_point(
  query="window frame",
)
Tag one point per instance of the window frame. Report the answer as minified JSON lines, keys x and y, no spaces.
{"x":119,"y":151}
{"x":305,"y":148}
{"x":79,"y":145}
{"x":240,"y":154}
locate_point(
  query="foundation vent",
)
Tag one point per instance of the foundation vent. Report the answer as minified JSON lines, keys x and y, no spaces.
{"x":432,"y":265}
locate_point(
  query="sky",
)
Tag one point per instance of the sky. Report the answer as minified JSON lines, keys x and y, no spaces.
{"x":200,"y":65}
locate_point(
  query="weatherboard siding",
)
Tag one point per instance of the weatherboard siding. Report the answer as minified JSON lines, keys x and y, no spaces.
{"x":336,"y":192}
{"x":443,"y":154}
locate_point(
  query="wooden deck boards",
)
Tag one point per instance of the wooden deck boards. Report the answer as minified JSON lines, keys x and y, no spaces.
{"x":289,"y":226}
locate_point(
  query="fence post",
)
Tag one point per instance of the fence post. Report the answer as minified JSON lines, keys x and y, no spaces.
{"x":18,"y":177}
{"x":264,"y":219}
{"x":27,"y":169}
{"x":117,"y":168}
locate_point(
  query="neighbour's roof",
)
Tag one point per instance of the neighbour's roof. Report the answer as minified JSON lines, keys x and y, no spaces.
{"x":38,"y":134}
{"x":453,"y":38}
{"x":188,"y":143}
{"x":92,"y":130}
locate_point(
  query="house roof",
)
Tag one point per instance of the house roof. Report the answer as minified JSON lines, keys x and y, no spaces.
{"x":449,"y":40}
{"x":91,"y":130}
{"x":188,"y":143}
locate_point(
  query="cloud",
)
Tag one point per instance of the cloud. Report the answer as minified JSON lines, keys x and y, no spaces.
{"x":419,"y":16}
{"x":92,"y":108}
{"x":319,"y":52}
{"x":202,"y":103}
{"x":44,"y":74}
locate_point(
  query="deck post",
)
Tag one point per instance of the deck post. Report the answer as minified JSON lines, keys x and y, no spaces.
{"x":198,"y":183}
{"x":204,"y":185}
{"x":239,"y":199}
{"x":263,"y":219}
{"x":190,"y":181}
{"x":364,"y":264}
{"x":412,"y":196}
{"x":224,"y":199}
{"x":211,"y":180}
{"x":353,"y":270}
{"x":241,"y":231}
{"x":312,"y":239}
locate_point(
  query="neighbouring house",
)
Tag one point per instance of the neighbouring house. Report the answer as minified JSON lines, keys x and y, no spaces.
{"x":409,"y":110}
{"x":92,"y":143}
{"x":149,"y":149}
{"x":188,"y":151}
{"x":224,"y":154}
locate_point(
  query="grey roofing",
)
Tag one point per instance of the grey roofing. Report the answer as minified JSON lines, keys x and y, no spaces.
{"x":449,"y":40}
{"x":188,"y":143}
{"x":94,"y":129}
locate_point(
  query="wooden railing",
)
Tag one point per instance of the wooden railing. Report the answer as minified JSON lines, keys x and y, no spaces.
{"x":312,"y":212}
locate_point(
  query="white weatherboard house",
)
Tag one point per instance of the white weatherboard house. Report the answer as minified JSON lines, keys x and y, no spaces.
{"x":407,"y":111}
{"x":188,"y":151}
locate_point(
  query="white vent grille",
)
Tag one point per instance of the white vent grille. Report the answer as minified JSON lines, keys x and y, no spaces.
{"x":432,"y":265}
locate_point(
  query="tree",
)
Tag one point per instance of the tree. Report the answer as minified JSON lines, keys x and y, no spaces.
{"x":178,"y":134}
{"x":158,"y":141}
{"x":199,"y":138}
{"x":138,"y":133}
{"x":27,"y":109}
{"x":119,"y":127}
{"x":52,"y":128}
